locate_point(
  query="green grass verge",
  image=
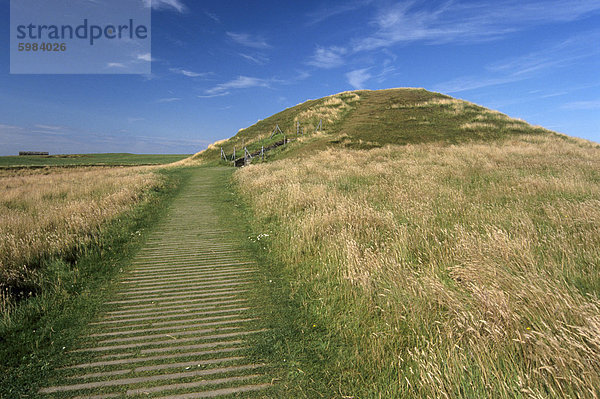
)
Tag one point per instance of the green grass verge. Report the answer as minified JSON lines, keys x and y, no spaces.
{"x":89,"y":160}
{"x":33,"y":337}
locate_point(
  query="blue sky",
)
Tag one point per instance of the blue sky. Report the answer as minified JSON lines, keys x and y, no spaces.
{"x":220,"y":66}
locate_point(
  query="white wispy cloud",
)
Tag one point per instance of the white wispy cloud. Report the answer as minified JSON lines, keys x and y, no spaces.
{"x":168,"y":100}
{"x":298,"y":76}
{"x":466,"y":83}
{"x":561,"y":54}
{"x":256,"y":58}
{"x":328,"y":11}
{"x":582,"y":105}
{"x":213,"y":16}
{"x":225,"y":93}
{"x":386,"y":71}
{"x":145,"y":57}
{"x":241,"y":82}
{"x":358,"y":77}
{"x":328,"y":57}
{"x":133,"y":61}
{"x":49,"y":127}
{"x":135,"y":119}
{"x":166,"y":4}
{"x":453,"y":21}
{"x":248,"y":40}
{"x":515,"y":69}
{"x":9,"y":127}
{"x":302,"y":75}
{"x":149,"y":76}
{"x":189,"y":74}
{"x":462,"y":22}
{"x":49,"y":132}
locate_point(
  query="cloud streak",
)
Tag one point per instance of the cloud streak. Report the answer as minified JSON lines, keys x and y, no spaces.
{"x":222,"y":94}
{"x":242,"y":82}
{"x":457,"y":22}
{"x":9,"y":127}
{"x":213,"y":16}
{"x":189,"y":74}
{"x":115,"y":65}
{"x":461,"y":22}
{"x":561,"y":55}
{"x":168,"y":100}
{"x":145,"y":57}
{"x":176,"y":5}
{"x":582,"y":105}
{"x":248,"y":40}
{"x":327,"y":12}
{"x":49,"y":127}
{"x":358,"y":77}
{"x":256,"y":58}
{"x":328,"y":57}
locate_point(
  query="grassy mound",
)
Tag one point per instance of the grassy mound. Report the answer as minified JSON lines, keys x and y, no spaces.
{"x":366,"y":119}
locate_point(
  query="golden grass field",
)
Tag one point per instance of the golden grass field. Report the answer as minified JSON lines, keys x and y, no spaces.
{"x":56,"y":212}
{"x":468,"y":270}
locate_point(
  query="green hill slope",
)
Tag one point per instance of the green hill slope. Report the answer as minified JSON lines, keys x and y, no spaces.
{"x":368,"y":119}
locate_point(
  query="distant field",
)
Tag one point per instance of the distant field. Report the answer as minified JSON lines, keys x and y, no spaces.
{"x":90,"y":159}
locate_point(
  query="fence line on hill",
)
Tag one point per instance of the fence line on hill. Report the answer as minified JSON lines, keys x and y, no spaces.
{"x":248,"y":156}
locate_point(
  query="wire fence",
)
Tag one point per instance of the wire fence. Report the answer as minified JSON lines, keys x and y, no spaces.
{"x":248,"y":156}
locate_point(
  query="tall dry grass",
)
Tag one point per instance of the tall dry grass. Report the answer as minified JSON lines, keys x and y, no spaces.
{"x":57,"y":212}
{"x":461,"y":271}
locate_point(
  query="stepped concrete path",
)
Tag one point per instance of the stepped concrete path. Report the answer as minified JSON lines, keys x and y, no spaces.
{"x":178,"y":324}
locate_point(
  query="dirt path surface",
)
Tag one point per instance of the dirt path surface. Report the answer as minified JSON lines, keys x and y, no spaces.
{"x":177,"y":326}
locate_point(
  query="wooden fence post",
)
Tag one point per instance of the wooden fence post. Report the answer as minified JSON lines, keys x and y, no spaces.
{"x":247,"y":156}
{"x":277,"y":129}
